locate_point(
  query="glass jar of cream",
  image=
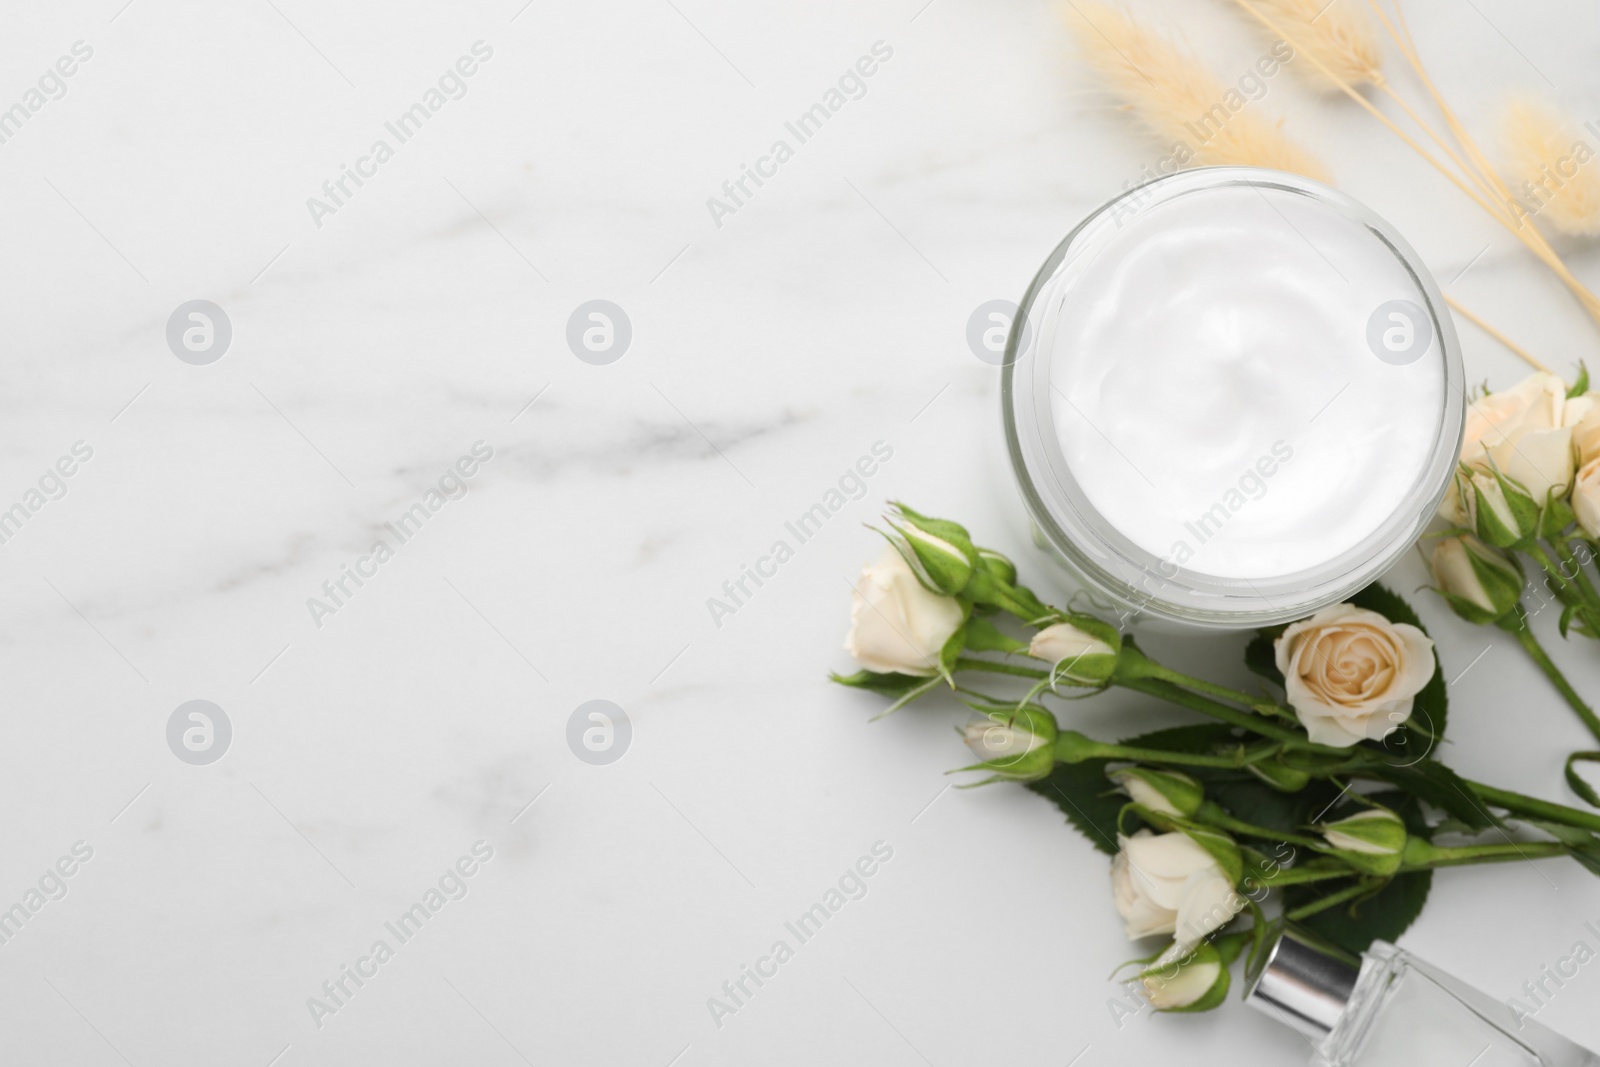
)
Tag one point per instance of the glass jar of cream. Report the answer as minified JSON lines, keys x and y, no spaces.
{"x":1231,"y":396}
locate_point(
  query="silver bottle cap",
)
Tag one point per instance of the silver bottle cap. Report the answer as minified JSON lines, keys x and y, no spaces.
{"x":1302,"y":986}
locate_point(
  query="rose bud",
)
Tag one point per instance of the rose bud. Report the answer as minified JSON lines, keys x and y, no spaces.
{"x":1456,"y":507}
{"x":1163,"y":792}
{"x":1479,"y":583}
{"x":942,"y":550}
{"x":1014,"y":744}
{"x":1199,"y":983}
{"x":999,"y":567}
{"x":1084,"y":650}
{"x":1279,"y":775}
{"x":896,"y":625}
{"x":1503,"y":512}
{"x":1350,"y":674}
{"x":1370,"y":841}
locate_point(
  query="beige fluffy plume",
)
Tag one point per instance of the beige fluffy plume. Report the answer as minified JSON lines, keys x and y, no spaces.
{"x":1337,"y":34}
{"x":1179,"y":100}
{"x":1553,"y":171}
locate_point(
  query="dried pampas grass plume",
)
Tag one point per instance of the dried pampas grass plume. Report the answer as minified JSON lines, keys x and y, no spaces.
{"x":1554,"y":174}
{"x":1334,"y":32}
{"x":1176,"y":98}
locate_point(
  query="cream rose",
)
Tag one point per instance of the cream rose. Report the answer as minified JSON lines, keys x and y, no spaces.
{"x":1526,"y":432}
{"x":1582,"y":413}
{"x":896,"y":625}
{"x":1351,"y":674}
{"x":1586,"y":498}
{"x":1165,"y":883}
{"x":1535,"y":403}
{"x":1539,"y":460}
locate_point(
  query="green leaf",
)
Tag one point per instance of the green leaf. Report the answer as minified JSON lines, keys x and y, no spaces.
{"x":904,"y":688}
{"x":1584,"y":845}
{"x":1354,"y":926}
{"x":952,"y":649}
{"x":1256,"y":802}
{"x":1262,"y":660}
{"x":1201,"y":738}
{"x":1436,"y":784}
{"x":1555,"y":516}
{"x":1079,"y":790}
{"x":889,"y":685}
{"x":984,"y":636}
{"x":1589,"y":858}
{"x":1421,"y":733}
{"x":1565,"y":622}
{"x":1576,"y":781}
{"x":1580,"y":386}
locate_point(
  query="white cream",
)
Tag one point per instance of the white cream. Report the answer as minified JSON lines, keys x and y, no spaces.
{"x":1213,"y":391}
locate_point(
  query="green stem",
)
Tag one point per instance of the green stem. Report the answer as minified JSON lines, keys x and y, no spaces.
{"x":1533,"y":807}
{"x":1329,"y":901}
{"x":1517,"y":624}
{"x":1587,"y":604}
{"x":1151,"y":669}
{"x":1421,"y":856}
{"x":1563,"y":547}
{"x":967,"y":663}
{"x":1256,"y":724}
{"x":1300,"y":876}
{"x":1073,"y":747}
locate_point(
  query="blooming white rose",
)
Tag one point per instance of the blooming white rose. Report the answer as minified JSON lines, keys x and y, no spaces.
{"x":1167,"y":884}
{"x":897,"y":625}
{"x":1351,"y":674}
{"x":1541,"y":460}
{"x":1535,"y":403}
{"x":1586,"y":498}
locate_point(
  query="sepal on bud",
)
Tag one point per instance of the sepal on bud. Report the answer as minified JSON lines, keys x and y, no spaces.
{"x":1000,"y":568}
{"x":1279,"y":775}
{"x":1505,"y":514}
{"x":1164,"y":792}
{"x":941,"y":552}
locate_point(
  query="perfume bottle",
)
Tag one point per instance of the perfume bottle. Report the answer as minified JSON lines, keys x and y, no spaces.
{"x":1396,"y":1011}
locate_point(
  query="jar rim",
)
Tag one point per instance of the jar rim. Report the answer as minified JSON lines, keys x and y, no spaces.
{"x":1134,"y":580}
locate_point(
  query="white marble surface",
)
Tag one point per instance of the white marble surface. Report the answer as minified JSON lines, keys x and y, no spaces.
{"x":768,"y":354}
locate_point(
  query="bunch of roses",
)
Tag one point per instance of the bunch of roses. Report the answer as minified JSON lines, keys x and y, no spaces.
{"x":1528,"y":484}
{"x":1193,"y":862}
